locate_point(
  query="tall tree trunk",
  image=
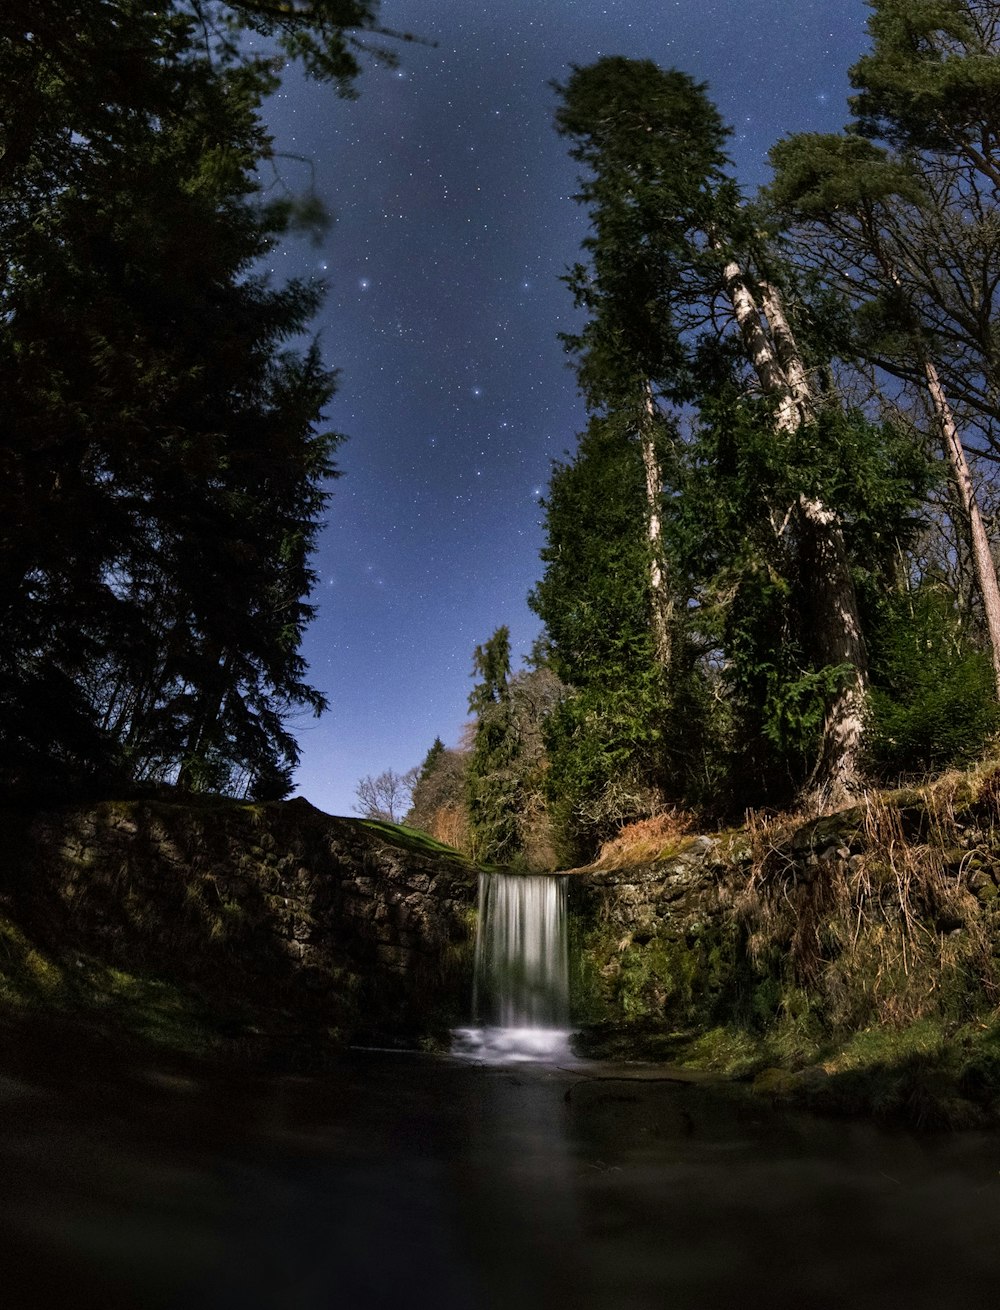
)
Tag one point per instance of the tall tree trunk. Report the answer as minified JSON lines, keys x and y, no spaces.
{"x":836,"y":625}
{"x":982,"y":556}
{"x":661,"y":604}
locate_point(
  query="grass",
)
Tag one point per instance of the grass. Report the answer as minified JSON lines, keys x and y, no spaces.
{"x":412,"y":840}
{"x":855,"y":968}
{"x":131,"y":1004}
{"x":646,"y":841}
{"x":923,"y":1076}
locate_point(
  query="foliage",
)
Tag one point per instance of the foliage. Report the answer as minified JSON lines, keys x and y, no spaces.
{"x":508,"y":820}
{"x":652,"y":144}
{"x":163,"y":469}
{"x":931,"y":77}
{"x":766,"y":600}
{"x":439,"y":806}
{"x":737,"y":534}
{"x":933,"y":703}
{"x":608,"y":734}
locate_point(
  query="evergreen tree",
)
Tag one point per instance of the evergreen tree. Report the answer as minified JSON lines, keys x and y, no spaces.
{"x":608,"y":739}
{"x":508,"y":819}
{"x":673,"y":247}
{"x":440,"y":796}
{"x":493,"y":779}
{"x":163,"y":474}
{"x":899,"y":216}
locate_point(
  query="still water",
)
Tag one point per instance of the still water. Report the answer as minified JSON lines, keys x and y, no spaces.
{"x":411,"y":1180}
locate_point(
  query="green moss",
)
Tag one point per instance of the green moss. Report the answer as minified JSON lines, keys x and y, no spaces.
{"x":726,"y":1050}
{"x":27,"y":975}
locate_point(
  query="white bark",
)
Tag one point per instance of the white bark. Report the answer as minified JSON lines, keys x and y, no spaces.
{"x":788,"y":352}
{"x":982,"y":555}
{"x":661,"y":604}
{"x":836,"y":628}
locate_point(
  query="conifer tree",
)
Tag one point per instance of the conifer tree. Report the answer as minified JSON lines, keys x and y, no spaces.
{"x":163,"y":468}
{"x":493,"y":778}
{"x":671,"y":244}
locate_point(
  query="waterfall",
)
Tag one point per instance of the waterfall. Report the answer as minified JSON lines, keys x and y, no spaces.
{"x":520,"y":999}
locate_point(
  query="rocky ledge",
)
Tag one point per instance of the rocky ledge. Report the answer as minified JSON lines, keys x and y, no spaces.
{"x":274,"y":919}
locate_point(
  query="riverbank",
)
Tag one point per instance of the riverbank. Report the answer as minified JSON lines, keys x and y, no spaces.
{"x":849,"y":964}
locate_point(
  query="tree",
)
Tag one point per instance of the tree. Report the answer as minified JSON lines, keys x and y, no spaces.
{"x":163,"y":472}
{"x":610,"y":750}
{"x":493,"y":795}
{"x":899,"y":215}
{"x":636,"y":287}
{"x":671,"y":245}
{"x":439,"y":805}
{"x":387,"y":797}
{"x":508,"y":818}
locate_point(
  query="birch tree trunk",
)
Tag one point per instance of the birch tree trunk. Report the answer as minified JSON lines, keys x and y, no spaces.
{"x":983,"y":564}
{"x":982,"y":555}
{"x":661,"y":604}
{"x":836,"y":625}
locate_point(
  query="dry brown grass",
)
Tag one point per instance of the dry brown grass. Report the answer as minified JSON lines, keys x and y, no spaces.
{"x":884,"y":928}
{"x":646,"y":840}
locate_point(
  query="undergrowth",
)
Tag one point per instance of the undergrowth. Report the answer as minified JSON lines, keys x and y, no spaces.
{"x":883,"y":926}
{"x":646,"y":840}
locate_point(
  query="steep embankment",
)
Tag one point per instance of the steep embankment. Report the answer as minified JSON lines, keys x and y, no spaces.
{"x":849,"y":963}
{"x":258,"y":929}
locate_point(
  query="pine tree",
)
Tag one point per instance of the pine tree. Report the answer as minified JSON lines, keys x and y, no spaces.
{"x":493,"y":778}
{"x":163,"y":471}
{"x":608,"y":740}
{"x":508,"y":818}
{"x":899,"y":215}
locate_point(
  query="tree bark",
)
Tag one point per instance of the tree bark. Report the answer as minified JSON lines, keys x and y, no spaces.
{"x":983,"y":563}
{"x":660,"y":601}
{"x":836,"y":624}
{"x":982,"y":555}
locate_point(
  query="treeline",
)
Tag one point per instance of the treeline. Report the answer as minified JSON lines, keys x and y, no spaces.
{"x":163,"y":465}
{"x":768,"y":572}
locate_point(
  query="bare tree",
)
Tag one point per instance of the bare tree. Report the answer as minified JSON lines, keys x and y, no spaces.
{"x":387,"y":797}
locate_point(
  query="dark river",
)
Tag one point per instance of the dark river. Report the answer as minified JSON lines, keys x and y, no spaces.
{"x":409,"y":1180}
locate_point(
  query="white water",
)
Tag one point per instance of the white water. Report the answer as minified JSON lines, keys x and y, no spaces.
{"x":520,"y":1001}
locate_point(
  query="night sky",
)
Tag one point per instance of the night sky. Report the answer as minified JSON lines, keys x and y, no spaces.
{"x":454,"y":221}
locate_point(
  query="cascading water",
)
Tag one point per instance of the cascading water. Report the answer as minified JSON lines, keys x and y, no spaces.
{"x":521,"y":988}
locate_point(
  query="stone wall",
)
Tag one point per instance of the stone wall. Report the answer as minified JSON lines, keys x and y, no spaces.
{"x":651,"y":942}
{"x":277,"y":912}
{"x":885,"y":913}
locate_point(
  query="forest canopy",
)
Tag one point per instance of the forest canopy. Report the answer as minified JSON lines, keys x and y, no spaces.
{"x":769,"y":571}
{"x":164,"y":461}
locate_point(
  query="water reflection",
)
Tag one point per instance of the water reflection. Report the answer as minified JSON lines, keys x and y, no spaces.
{"x":408,"y":1179}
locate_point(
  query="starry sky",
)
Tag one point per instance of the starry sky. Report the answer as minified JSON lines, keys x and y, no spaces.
{"x":453,"y":224}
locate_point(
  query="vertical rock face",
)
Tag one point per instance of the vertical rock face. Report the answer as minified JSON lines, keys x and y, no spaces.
{"x":329,"y":921}
{"x":651,"y":941}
